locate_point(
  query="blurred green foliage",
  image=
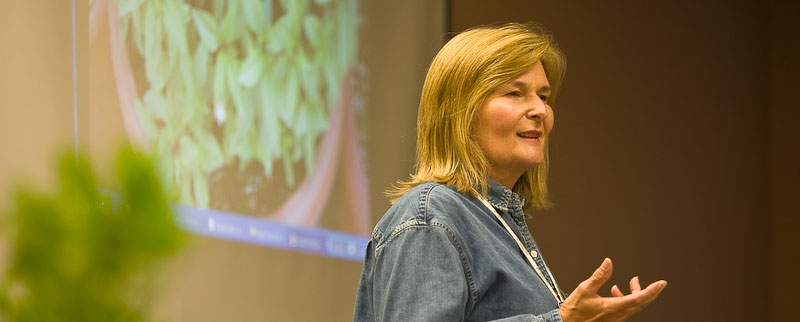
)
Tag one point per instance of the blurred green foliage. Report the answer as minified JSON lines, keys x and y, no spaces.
{"x":84,"y":255}
{"x":237,"y":81}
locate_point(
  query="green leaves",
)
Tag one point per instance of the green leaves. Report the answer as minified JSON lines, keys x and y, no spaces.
{"x":83,"y":255}
{"x":311,"y":29}
{"x":200,"y":64}
{"x":149,"y":224}
{"x":125,"y":7}
{"x":252,"y":68}
{"x":206,"y":28}
{"x":229,"y":80}
{"x":232,"y":26}
{"x":254,"y":15}
{"x":175,"y":16}
{"x":220,"y":78}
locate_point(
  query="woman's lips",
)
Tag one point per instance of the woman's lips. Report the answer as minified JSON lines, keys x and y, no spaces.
{"x":532,"y":135}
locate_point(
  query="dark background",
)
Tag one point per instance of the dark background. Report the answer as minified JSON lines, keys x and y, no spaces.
{"x":674,"y":151}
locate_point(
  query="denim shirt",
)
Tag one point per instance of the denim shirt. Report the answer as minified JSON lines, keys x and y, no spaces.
{"x":439,"y":255}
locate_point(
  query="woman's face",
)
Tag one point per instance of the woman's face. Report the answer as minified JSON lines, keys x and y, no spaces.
{"x":513,"y":125}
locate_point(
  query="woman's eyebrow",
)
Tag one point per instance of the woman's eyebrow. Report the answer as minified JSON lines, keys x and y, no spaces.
{"x":521,"y":84}
{"x":518,"y":83}
{"x":544,"y":90}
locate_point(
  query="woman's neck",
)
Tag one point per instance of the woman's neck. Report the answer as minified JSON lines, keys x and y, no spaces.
{"x":505,"y":178}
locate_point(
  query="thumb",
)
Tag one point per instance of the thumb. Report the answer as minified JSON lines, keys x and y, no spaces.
{"x":600,"y":276}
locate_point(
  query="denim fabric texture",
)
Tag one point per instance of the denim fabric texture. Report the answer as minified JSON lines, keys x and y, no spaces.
{"x":439,"y":255}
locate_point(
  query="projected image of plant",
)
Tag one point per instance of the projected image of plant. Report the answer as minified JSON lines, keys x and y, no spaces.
{"x":232,"y":86}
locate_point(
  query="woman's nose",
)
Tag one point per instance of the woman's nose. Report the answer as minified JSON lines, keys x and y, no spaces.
{"x":537,"y":110}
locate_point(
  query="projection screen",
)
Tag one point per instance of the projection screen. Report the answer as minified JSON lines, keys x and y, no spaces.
{"x":277,"y":125}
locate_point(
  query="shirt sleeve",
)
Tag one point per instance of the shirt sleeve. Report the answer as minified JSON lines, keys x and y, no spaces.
{"x":419,"y":274}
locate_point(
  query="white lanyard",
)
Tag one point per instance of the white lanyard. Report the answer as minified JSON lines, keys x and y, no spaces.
{"x":555,"y":292}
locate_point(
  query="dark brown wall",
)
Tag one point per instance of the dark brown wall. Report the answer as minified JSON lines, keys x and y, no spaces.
{"x":661,"y":153}
{"x":784,"y":175}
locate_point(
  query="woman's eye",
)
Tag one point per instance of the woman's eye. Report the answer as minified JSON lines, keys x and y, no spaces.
{"x":514,"y":94}
{"x":543,"y":98}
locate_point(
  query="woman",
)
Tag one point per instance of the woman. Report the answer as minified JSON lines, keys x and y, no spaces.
{"x":454,"y":246}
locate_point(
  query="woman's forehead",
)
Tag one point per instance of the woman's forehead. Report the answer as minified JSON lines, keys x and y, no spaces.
{"x":534,"y":78}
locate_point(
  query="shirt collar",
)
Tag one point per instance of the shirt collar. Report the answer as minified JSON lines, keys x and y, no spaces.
{"x":503,"y":198}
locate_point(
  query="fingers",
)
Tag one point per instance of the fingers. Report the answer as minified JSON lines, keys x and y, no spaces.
{"x":635,"y":287}
{"x":599,"y":277}
{"x":652,"y":291}
{"x":615,"y":291}
{"x":639,"y":300}
{"x":634,"y":284}
{"x":656,"y":287}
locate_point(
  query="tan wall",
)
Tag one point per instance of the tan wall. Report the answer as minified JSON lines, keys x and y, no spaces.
{"x":36,"y":101}
{"x":660,"y":155}
{"x":36,"y":93}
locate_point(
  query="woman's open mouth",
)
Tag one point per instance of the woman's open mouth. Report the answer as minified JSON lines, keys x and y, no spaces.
{"x":532,"y":135}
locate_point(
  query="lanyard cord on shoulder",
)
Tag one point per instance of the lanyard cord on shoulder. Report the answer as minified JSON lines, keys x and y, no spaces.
{"x":553,"y":288}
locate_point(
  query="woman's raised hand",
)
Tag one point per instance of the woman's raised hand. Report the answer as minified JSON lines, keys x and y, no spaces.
{"x":584,"y":304}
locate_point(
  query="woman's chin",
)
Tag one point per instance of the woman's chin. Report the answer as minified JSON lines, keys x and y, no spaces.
{"x":533,"y":161}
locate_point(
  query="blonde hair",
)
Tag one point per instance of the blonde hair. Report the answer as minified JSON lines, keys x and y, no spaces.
{"x":461,"y":77}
